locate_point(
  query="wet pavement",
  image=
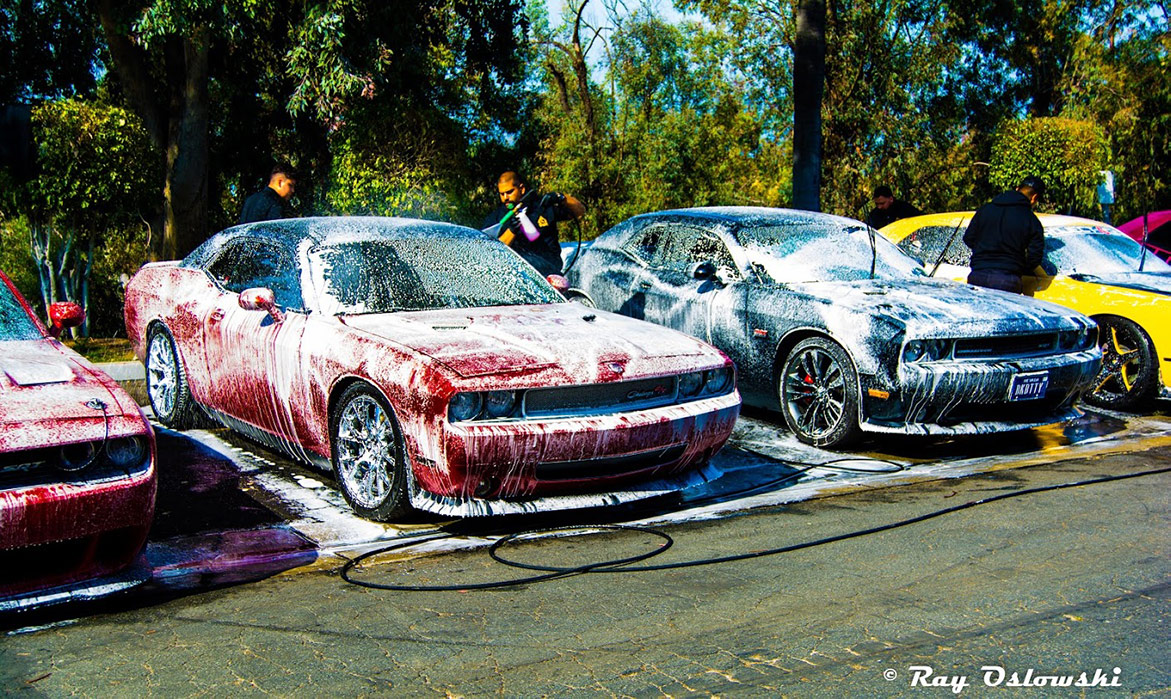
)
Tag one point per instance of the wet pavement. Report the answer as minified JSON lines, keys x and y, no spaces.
{"x":230,"y":512}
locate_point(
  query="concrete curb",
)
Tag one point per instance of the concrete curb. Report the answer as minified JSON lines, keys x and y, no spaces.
{"x":124,"y":371}
{"x":131,"y":376}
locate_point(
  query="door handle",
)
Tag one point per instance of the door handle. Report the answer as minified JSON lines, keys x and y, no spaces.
{"x":644,"y":284}
{"x":216,"y":315}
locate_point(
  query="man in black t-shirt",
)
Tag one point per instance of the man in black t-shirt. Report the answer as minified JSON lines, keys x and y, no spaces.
{"x":531,"y":229}
{"x":887,"y":209}
{"x":269,"y":203}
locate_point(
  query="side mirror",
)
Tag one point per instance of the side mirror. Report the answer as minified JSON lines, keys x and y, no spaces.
{"x":261,"y":299}
{"x":703,"y":270}
{"x":65,"y":314}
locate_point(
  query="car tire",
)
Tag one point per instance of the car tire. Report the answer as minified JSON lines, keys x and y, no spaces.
{"x":367,"y":454}
{"x":818,"y":391}
{"x":1130,"y":373}
{"x":166,"y":382}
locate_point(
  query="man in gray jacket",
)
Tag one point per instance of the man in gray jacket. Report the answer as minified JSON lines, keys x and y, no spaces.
{"x":1006,"y":238}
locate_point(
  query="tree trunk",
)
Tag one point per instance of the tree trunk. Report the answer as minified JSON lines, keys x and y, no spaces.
{"x":185,"y":213}
{"x":175,"y":116}
{"x":808,"y":86}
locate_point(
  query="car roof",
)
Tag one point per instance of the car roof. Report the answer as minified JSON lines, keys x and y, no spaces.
{"x":741,"y":215}
{"x":904,"y":226}
{"x":329,"y":230}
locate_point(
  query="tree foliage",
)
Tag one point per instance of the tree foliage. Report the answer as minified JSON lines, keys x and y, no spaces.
{"x":93,"y":176}
{"x":1065,"y":153}
{"x":47,"y":50}
{"x":1119,"y":81}
{"x":663,"y":128}
{"x":415,"y":107}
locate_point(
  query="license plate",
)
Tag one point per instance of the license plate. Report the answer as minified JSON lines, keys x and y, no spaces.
{"x":1028,"y":386}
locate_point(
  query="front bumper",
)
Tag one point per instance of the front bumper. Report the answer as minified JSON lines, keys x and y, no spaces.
{"x":566,"y":463}
{"x":972,"y":397}
{"x":61,"y":535}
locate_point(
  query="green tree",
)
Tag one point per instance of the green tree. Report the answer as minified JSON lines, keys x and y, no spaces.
{"x":323,"y":63}
{"x":47,"y":50}
{"x":1065,"y":153}
{"x":1119,"y":81}
{"x":94,"y":175}
{"x":669,"y":129}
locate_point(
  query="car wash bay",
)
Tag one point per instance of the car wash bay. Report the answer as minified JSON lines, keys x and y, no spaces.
{"x":247,"y":548}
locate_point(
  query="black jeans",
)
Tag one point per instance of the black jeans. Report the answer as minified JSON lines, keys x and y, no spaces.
{"x":995,"y":279}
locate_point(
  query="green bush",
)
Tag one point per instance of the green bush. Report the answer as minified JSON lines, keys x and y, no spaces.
{"x":1067,"y":154}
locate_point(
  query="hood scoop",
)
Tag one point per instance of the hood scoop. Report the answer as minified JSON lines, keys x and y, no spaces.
{"x":29,"y":372}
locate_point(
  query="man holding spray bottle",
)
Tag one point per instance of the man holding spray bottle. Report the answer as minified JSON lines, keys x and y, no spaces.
{"x":527,"y":222}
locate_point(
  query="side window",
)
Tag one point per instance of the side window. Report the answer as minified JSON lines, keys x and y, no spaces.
{"x":691,"y":245}
{"x":926,"y":243}
{"x":258,"y":263}
{"x":647,"y":245}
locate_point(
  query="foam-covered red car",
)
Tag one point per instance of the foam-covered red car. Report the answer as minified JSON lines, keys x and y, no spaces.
{"x":427,"y":366}
{"x":77,"y":466}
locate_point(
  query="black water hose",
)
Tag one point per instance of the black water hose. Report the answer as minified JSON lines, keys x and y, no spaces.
{"x":624,"y":565}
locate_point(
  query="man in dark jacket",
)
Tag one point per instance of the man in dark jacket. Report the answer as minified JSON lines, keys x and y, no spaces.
{"x":887,"y":209}
{"x":1006,"y":238}
{"x":269,"y":203}
{"x":532,"y":230}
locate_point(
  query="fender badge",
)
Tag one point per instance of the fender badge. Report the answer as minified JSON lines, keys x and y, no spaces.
{"x":760,"y":333}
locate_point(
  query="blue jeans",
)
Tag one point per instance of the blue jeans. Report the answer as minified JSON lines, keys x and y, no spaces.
{"x":996,"y":279}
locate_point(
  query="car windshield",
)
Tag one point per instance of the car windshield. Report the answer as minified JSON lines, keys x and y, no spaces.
{"x":1097,"y":250}
{"x":415,"y":274}
{"x":805,"y":252}
{"x":14,"y":321}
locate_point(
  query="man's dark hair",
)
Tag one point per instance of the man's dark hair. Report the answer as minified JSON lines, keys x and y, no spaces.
{"x":516,"y":177}
{"x":283,"y":169}
{"x":882,"y":191}
{"x":1034,"y":183}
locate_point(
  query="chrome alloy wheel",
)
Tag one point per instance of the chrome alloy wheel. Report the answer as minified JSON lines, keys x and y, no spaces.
{"x":367,"y":452}
{"x":162,"y":374}
{"x":815,"y":392}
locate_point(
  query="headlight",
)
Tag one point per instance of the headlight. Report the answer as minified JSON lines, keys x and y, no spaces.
{"x":689,"y":384}
{"x":1089,"y":337}
{"x":75,"y":457}
{"x":464,"y":406}
{"x":126,"y":452}
{"x":499,"y":403}
{"x":717,"y":380}
{"x":926,"y":350}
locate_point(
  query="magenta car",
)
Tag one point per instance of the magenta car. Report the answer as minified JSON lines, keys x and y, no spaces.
{"x":428,"y":367}
{"x":77,"y":466}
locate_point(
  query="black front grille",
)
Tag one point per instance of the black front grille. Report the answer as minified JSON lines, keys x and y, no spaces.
{"x":1030,"y":411}
{"x":34,"y":467}
{"x":612,"y":466}
{"x":1005,"y":347}
{"x":601,"y":397}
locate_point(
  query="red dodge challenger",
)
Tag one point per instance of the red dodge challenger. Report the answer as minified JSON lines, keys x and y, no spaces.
{"x":428,"y":367}
{"x":77,"y":466}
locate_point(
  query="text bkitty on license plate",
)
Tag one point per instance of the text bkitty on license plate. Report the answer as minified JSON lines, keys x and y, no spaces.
{"x":1028,"y":386}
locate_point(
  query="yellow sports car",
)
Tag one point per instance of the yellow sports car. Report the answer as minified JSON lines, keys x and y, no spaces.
{"x":1089,"y":267}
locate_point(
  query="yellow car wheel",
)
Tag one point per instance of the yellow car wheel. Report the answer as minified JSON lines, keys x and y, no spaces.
{"x":1129,"y":374}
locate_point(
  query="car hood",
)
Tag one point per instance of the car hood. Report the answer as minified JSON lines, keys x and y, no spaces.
{"x":930,"y":308}
{"x":1141,"y":281}
{"x":482,"y":341}
{"x":39,"y":381}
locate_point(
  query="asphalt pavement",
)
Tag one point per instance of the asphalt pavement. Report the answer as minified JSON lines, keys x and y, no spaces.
{"x":1052,"y":585}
